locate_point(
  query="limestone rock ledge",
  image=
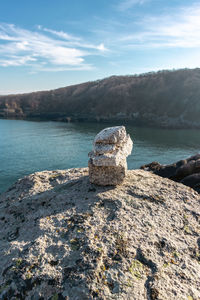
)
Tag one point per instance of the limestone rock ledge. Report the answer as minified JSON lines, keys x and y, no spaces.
{"x":64,"y":238}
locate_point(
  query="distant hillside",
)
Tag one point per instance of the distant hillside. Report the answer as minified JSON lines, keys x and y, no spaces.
{"x":163,"y":99}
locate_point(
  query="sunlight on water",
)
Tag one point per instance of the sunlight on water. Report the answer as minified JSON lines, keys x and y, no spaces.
{"x":27,"y":147}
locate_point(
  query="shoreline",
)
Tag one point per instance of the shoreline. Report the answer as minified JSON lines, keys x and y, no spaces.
{"x":139,"y":124}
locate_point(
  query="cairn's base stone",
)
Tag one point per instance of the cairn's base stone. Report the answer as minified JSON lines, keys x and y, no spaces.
{"x":107,"y":175}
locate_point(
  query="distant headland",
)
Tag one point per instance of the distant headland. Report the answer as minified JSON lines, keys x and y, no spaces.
{"x":166,"y":99}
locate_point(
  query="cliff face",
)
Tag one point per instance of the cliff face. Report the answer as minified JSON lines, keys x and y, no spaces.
{"x":165,"y":98}
{"x":63,"y":238}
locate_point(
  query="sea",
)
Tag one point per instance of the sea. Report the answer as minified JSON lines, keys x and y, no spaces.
{"x":27,"y":146}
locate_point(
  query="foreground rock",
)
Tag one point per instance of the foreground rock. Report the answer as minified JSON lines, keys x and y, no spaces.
{"x":107,"y":163}
{"x":186,"y":171}
{"x":64,"y":238}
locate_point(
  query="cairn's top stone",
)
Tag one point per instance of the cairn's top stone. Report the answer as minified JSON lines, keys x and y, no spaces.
{"x":111,"y":135}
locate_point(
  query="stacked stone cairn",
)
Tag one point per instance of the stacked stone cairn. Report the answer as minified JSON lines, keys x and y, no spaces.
{"x":107,"y":163}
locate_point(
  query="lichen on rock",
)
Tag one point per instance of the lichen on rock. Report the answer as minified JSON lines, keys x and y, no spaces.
{"x":75,"y":240}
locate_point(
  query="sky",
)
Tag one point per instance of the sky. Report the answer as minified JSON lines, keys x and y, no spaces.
{"x":47,"y":44}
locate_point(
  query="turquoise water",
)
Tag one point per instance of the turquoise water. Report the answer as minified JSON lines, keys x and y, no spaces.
{"x":27,"y":147}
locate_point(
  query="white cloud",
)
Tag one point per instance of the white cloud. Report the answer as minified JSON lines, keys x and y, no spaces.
{"x":101,"y":47}
{"x":19,"y":47}
{"x":127,"y":4}
{"x":75,"y":41}
{"x":16,"y":61}
{"x":60,"y":34}
{"x":180,"y":29}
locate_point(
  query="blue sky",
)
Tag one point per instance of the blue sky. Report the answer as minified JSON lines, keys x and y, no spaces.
{"x":46,"y":44}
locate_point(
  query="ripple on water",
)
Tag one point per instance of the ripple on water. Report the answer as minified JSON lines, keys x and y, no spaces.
{"x":27,"y":147}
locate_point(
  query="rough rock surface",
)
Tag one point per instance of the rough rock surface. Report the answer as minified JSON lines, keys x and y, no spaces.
{"x":111,"y":135}
{"x":106,"y":175}
{"x":186,"y":171}
{"x":107,"y":163}
{"x":65,"y":238}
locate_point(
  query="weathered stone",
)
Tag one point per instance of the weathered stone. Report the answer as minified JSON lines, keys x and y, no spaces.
{"x":111,"y":147}
{"x":107,"y":175}
{"x":111,"y":135}
{"x":141,"y":238}
{"x":112,"y":158}
{"x":104,"y":148}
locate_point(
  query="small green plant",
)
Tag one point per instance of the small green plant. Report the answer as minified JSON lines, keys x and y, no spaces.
{"x":18,"y":262}
{"x":54,"y":297}
{"x":175,"y":254}
{"x":186,"y":229}
{"x":54,"y":176}
{"x":165,"y":265}
{"x":28,"y":275}
{"x":136,"y":269}
{"x":129,"y":283}
{"x":75,"y":244}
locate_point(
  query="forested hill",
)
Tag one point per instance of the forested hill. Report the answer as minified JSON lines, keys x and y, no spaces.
{"x":164,"y":98}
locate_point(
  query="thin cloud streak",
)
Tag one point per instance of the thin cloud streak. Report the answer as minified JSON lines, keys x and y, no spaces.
{"x":21,"y":47}
{"x":75,"y":41}
{"x":180,"y":30}
{"x":60,"y":34}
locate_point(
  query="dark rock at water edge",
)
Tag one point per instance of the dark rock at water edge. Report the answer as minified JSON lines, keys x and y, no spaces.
{"x":186,"y":171}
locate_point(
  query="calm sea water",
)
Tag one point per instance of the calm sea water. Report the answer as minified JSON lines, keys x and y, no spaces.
{"x":27,"y":147}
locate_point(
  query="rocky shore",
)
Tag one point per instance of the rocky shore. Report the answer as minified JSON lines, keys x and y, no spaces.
{"x":186,"y":171}
{"x":63,"y":237}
